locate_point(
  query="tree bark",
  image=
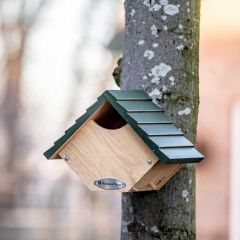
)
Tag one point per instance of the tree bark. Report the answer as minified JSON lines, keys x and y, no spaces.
{"x":161,"y":49}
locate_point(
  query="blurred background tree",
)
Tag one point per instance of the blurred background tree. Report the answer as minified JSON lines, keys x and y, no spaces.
{"x":17,"y":17}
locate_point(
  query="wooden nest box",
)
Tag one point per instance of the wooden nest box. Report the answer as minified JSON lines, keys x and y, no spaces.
{"x":124,"y":142}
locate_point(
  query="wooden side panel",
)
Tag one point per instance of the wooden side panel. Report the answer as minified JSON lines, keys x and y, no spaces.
{"x":156,"y":177}
{"x":96,"y":152}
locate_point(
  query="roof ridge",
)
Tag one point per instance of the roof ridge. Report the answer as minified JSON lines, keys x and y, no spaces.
{"x":138,"y":120}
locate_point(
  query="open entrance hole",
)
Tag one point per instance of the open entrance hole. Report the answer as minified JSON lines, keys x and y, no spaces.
{"x":107,"y":117}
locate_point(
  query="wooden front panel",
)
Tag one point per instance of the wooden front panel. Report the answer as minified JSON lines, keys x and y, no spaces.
{"x":96,"y":152}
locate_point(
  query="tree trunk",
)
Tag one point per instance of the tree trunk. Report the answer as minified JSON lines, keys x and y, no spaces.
{"x":161,"y":57}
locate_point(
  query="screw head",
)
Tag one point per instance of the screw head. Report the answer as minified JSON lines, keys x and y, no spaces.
{"x":66,"y":157}
{"x":149,"y":162}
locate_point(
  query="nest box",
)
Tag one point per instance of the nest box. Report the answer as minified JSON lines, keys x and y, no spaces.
{"x":124,"y":142}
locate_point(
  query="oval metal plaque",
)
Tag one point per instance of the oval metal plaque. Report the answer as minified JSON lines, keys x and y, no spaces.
{"x":109,"y":183}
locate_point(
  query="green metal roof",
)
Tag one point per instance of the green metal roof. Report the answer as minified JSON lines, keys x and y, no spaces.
{"x":149,"y":122}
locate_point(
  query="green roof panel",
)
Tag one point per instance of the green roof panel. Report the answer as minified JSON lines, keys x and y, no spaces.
{"x":160,"y":129}
{"x":150,"y":117}
{"x":182,"y":155}
{"x":171,"y":141}
{"x":139,"y":106}
{"x":134,"y":95}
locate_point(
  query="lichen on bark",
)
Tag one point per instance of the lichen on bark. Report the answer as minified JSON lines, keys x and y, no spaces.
{"x":170,"y":31}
